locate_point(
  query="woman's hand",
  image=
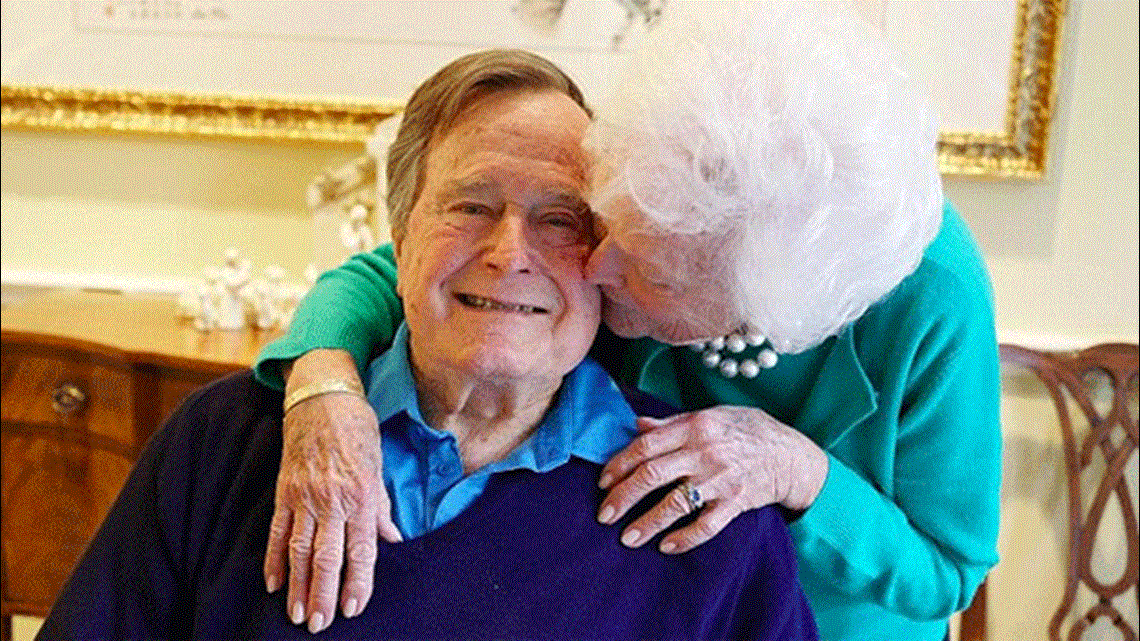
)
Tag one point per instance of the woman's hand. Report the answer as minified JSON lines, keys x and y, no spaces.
{"x":737,"y":458}
{"x":330,"y":503}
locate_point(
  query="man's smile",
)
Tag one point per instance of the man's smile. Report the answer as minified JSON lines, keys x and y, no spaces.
{"x":490,"y":304}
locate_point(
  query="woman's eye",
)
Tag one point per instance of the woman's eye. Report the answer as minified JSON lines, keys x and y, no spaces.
{"x":657,"y":282}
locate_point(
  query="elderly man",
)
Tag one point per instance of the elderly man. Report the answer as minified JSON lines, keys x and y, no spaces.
{"x":490,"y":419}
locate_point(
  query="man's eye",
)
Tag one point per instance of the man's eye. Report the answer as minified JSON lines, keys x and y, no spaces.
{"x":568,"y":221}
{"x":472,"y":209}
{"x":562,"y":229}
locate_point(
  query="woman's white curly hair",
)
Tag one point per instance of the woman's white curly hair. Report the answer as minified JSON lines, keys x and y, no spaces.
{"x":786,"y":133}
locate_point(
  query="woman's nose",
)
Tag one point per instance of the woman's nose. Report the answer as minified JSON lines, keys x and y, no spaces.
{"x":605,"y":266}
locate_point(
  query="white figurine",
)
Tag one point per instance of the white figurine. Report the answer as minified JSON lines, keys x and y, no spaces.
{"x":232,"y":281}
{"x":382,"y":136}
{"x":311,"y":274}
{"x":227,"y":298}
{"x":207,"y":317}
{"x":270,"y":299}
{"x":355,"y":233}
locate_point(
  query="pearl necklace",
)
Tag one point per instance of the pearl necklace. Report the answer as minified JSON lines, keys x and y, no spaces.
{"x":735,"y":343}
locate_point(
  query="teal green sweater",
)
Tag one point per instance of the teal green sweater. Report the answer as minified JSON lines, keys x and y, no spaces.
{"x":905,"y":402}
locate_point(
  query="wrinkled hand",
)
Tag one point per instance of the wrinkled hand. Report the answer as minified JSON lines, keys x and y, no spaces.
{"x":331,"y":505}
{"x":738,"y":458}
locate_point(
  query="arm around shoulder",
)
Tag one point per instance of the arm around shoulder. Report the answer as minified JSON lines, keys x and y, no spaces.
{"x":353,"y":308}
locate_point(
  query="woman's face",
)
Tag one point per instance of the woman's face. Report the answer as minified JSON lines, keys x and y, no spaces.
{"x":658,"y":285}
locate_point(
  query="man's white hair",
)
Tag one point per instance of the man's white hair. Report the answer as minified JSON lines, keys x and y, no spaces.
{"x":785,"y":138}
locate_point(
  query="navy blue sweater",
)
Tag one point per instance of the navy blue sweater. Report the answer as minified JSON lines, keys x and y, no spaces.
{"x":180,"y":555}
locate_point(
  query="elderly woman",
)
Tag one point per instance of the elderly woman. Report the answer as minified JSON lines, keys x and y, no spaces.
{"x":769,"y":190}
{"x":494,"y":431}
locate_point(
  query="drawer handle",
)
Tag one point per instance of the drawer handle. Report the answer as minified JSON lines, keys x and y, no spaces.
{"x":68,"y":399}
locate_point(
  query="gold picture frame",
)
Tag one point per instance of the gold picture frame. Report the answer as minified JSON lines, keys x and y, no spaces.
{"x":102,"y":110}
{"x":1020,"y":151}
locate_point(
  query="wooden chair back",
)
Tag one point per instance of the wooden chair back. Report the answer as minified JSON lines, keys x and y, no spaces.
{"x":1105,"y":450}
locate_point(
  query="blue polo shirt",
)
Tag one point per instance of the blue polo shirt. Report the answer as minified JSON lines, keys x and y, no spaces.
{"x":423,"y":471}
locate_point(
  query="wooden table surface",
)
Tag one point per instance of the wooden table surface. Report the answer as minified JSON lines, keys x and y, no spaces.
{"x":131,"y":328}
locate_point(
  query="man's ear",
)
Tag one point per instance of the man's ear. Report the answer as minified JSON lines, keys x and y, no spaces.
{"x":397,"y":243}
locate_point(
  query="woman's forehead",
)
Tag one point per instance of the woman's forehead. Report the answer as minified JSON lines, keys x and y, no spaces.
{"x":695,"y":257}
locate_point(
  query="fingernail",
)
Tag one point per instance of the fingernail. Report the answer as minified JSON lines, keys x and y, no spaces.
{"x":298,"y":613}
{"x":605,"y":481}
{"x":317,"y":623}
{"x":272,"y":584}
{"x":668,"y":546}
{"x":630,"y":538}
{"x":350,"y":608}
{"x":607,"y":515}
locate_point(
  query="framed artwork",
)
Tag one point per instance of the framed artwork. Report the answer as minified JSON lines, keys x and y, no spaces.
{"x":331,"y":71}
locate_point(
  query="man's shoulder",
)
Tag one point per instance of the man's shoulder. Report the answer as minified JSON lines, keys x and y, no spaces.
{"x":228,"y":423}
{"x":230,"y":399}
{"x":645,"y":404}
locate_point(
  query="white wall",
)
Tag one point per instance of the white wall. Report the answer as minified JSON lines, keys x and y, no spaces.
{"x":136,"y":209}
{"x":1063,"y":251}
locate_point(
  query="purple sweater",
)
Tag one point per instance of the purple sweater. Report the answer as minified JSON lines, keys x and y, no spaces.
{"x":181,"y":552}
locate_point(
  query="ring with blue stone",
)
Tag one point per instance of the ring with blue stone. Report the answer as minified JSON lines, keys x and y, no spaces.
{"x":692,"y":495}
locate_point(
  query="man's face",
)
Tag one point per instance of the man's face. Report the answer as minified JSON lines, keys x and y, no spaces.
{"x":491,"y":262}
{"x":658,"y":285}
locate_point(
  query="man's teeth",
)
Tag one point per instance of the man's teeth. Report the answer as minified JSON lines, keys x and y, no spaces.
{"x":487,"y":303}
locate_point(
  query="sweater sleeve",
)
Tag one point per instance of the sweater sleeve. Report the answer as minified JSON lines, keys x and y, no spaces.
{"x":353,"y":307}
{"x":913,"y":529}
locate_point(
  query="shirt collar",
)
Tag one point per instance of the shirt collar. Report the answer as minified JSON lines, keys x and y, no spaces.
{"x":391,"y":386}
{"x":589,"y":418}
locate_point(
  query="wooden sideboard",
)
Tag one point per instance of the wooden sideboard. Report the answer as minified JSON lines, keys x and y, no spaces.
{"x":87,"y":378}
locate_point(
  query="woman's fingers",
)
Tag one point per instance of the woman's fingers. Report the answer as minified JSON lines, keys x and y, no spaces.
{"x":738,"y":458}
{"x":324,"y":580}
{"x":714,"y":517}
{"x":300,"y":558}
{"x":277,"y":552}
{"x":360,"y":557}
{"x":657,"y":438}
{"x":673,"y":506}
{"x":385,"y":526}
{"x":648,"y":476}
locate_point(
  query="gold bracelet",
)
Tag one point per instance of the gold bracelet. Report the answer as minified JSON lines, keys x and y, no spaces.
{"x":321,"y":387}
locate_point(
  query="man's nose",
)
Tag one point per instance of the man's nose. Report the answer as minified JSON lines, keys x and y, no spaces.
{"x":605,"y":266}
{"x":510,"y":247}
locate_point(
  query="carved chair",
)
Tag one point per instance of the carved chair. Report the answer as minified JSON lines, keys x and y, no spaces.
{"x":1103,"y":453}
